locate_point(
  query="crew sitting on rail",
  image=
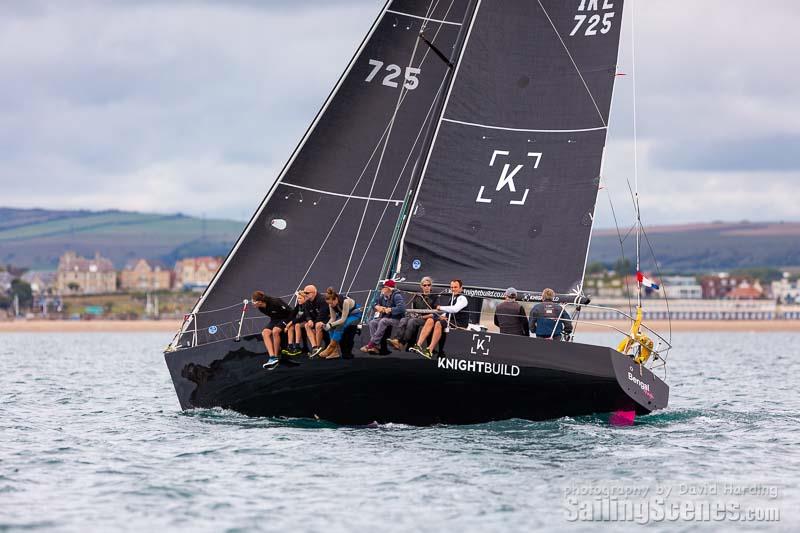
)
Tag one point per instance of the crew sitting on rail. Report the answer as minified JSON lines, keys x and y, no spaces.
{"x":455,"y":313}
{"x":409,"y":324}
{"x":318,"y":316}
{"x":548,"y":319}
{"x":294,"y":327}
{"x":510,"y":316}
{"x":344,"y":312}
{"x":391,"y":307}
{"x":278,"y":312}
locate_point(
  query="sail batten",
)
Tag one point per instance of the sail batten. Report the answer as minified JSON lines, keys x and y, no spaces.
{"x":508,"y":192}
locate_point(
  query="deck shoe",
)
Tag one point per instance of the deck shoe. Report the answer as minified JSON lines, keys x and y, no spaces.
{"x":396,"y":344}
{"x":271,"y":364}
{"x":315,"y":352}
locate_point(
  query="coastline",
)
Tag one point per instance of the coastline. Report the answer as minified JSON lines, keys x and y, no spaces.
{"x":172,"y":326}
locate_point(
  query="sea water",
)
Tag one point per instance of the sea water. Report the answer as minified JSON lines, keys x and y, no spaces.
{"x":92,"y":439}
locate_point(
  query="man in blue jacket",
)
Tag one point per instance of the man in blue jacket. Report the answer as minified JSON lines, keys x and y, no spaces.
{"x":391,"y":307}
{"x":548,"y":319}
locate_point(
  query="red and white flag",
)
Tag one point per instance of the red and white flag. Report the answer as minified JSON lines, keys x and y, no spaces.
{"x":647,"y":282}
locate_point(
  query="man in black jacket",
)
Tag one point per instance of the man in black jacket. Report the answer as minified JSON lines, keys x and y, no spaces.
{"x":510,"y":316}
{"x":279,"y":313}
{"x":318,"y":316}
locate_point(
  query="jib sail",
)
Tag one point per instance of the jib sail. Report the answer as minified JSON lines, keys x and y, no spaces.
{"x":330,"y":216}
{"x":508,"y":190}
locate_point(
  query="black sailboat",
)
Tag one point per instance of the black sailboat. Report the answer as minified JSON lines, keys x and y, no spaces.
{"x":464,"y":140}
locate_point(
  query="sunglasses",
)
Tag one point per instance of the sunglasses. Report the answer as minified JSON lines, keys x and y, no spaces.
{"x":426,"y":284}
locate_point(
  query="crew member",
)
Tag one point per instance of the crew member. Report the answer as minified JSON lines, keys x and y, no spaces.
{"x":318,"y":316}
{"x":344,"y":312}
{"x":278,"y":312}
{"x":548,"y":319}
{"x":391,"y":307}
{"x":456,"y":313}
{"x":410,"y":323}
{"x":510,"y":316}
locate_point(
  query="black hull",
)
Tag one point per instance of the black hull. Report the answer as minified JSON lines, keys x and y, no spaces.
{"x":483,"y":377}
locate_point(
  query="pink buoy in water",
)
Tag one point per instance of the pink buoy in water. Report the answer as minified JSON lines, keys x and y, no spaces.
{"x":622,"y":418}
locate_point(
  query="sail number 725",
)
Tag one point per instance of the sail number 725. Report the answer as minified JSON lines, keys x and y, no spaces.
{"x":394,"y":72}
{"x":591,"y":20}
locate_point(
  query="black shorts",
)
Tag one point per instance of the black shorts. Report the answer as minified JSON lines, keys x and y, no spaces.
{"x":276,"y":324}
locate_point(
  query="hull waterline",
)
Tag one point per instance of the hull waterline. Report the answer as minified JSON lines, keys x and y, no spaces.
{"x":483,"y":377}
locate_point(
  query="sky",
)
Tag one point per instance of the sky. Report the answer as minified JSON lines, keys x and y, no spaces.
{"x":193,"y":106}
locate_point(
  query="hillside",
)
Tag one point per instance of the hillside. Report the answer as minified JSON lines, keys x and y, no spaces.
{"x":704,"y":247}
{"x":35,"y":238}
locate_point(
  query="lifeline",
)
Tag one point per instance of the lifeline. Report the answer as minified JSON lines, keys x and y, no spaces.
{"x":500,"y":369}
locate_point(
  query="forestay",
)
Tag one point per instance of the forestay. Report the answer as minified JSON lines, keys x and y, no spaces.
{"x":331,"y":214}
{"x":508,"y":191}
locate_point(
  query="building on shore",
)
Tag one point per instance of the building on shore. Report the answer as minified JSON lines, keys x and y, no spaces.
{"x":140,"y":275}
{"x":720,"y":284}
{"x":786,"y":290}
{"x":79,"y":275}
{"x":195,"y":273}
{"x":41,"y":281}
{"x":682,"y":288}
{"x":5,"y":281}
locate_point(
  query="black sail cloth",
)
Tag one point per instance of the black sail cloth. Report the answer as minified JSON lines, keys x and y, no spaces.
{"x":507,"y":196}
{"x":331,"y":215}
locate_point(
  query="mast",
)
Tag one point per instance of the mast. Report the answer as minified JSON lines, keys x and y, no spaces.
{"x":636,"y":161}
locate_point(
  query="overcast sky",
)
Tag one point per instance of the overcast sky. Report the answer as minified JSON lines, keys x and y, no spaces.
{"x":193,"y":106}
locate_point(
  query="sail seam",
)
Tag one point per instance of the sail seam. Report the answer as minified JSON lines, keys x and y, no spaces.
{"x":426,"y":19}
{"x":598,"y":128}
{"x":546,"y":14}
{"x":343,"y":195}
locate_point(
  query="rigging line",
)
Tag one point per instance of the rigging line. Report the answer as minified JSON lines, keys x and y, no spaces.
{"x":288,"y":165}
{"x":366,"y":166}
{"x":341,"y":211}
{"x":661,"y":279}
{"x":410,"y":153}
{"x":473,"y":17}
{"x":402,"y":171}
{"x":546,"y":14}
{"x":378,"y":168}
{"x":622,"y":250}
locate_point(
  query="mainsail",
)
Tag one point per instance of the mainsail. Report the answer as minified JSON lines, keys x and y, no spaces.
{"x":508,"y":191}
{"x":330,"y":216}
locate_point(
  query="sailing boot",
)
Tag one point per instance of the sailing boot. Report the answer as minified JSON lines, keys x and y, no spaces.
{"x":331,"y":351}
{"x":327,"y":351}
{"x":336,"y":351}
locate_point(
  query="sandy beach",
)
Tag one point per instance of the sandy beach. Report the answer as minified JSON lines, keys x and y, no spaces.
{"x":169,"y":326}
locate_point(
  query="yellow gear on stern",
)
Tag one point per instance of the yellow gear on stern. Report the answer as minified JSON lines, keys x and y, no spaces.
{"x":637,"y":337}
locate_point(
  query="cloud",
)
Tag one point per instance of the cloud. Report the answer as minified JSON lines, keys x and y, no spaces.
{"x":194,"y":106}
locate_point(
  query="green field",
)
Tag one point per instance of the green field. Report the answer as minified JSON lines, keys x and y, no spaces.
{"x":36,"y":238}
